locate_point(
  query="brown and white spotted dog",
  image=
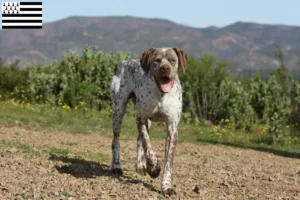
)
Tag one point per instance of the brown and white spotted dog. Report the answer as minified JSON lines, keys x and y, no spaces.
{"x":153,"y":84}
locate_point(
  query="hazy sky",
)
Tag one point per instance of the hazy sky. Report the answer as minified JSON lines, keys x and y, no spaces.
{"x":197,"y":13}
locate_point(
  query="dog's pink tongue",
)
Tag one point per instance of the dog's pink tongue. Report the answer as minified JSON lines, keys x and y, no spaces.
{"x":167,"y":87}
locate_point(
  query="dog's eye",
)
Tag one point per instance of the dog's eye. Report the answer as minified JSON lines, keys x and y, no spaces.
{"x":172,"y":60}
{"x":157,"y":60}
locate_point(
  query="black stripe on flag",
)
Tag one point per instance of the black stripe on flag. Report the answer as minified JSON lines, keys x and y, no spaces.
{"x":31,"y":3}
{"x":21,"y":15}
{"x":21,"y":21}
{"x":22,"y":27}
{"x":30,"y":9}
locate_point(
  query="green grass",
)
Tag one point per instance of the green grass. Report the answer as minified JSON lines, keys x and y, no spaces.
{"x":93,"y":156}
{"x":25,"y":148}
{"x":63,"y":152}
{"x":66,"y":194}
{"x":24,"y":196}
{"x":71,"y":143}
{"x":37,"y":150}
{"x":84,"y":121}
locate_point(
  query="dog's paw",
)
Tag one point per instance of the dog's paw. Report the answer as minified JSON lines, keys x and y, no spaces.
{"x":117,"y":171}
{"x":141,"y":168}
{"x":154,"y":171}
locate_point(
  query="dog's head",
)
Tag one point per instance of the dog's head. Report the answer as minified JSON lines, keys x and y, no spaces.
{"x":162,"y":64}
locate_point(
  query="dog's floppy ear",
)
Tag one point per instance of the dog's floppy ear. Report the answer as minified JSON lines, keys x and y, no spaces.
{"x":182,"y":58}
{"x":145,"y":59}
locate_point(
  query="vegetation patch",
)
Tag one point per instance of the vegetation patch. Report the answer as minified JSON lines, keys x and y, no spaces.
{"x":72,"y":95}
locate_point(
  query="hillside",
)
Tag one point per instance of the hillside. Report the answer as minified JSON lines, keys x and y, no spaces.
{"x":243,"y":45}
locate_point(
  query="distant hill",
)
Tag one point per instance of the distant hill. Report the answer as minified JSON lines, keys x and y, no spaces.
{"x":243,"y":45}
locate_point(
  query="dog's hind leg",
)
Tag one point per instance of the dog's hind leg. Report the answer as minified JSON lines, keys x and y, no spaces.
{"x":119,"y":101}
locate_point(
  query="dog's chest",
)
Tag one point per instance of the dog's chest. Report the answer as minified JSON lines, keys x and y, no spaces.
{"x":160,"y":108}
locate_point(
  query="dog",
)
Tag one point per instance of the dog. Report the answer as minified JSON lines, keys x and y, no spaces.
{"x":152,"y":82}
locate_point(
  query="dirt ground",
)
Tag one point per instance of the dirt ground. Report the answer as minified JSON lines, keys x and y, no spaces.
{"x":221,"y":172}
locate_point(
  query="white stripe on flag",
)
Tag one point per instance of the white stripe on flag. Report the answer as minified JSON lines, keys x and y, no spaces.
{"x":22,"y":24}
{"x":30,"y":12}
{"x":22,"y":18}
{"x":31,"y":6}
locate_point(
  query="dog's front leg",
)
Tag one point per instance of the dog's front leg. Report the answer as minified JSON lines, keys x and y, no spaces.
{"x":141,"y":166}
{"x":171,"y":141}
{"x":152,"y":164}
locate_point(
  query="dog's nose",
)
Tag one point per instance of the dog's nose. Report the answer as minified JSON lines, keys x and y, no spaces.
{"x":164,"y":69}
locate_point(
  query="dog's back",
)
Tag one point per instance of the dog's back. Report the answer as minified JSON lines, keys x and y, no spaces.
{"x":124,"y":80}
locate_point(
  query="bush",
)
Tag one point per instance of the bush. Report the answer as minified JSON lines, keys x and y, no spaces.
{"x":11,"y":77}
{"x":75,"y":78}
{"x":210,"y":92}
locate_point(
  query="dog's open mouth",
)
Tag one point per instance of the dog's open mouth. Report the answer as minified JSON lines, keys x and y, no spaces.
{"x":165,"y":84}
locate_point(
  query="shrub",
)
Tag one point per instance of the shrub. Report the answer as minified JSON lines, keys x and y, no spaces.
{"x":210,"y":92}
{"x":75,"y":78}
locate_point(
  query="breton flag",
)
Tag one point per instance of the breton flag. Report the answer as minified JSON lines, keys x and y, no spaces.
{"x":21,"y":15}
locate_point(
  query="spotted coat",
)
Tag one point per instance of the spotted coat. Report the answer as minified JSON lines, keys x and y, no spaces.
{"x":142,"y":80}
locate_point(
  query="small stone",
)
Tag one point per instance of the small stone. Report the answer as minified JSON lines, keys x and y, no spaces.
{"x":13,"y":150}
{"x":197,"y":189}
{"x":225,"y":183}
{"x":271,"y":178}
{"x":13,"y":167}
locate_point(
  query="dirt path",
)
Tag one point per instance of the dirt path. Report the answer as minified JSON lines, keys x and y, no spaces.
{"x":31,"y":172}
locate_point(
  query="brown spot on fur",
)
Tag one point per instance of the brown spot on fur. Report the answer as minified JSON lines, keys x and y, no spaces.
{"x":152,"y":170}
{"x":182,"y":58}
{"x":143,"y":158}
